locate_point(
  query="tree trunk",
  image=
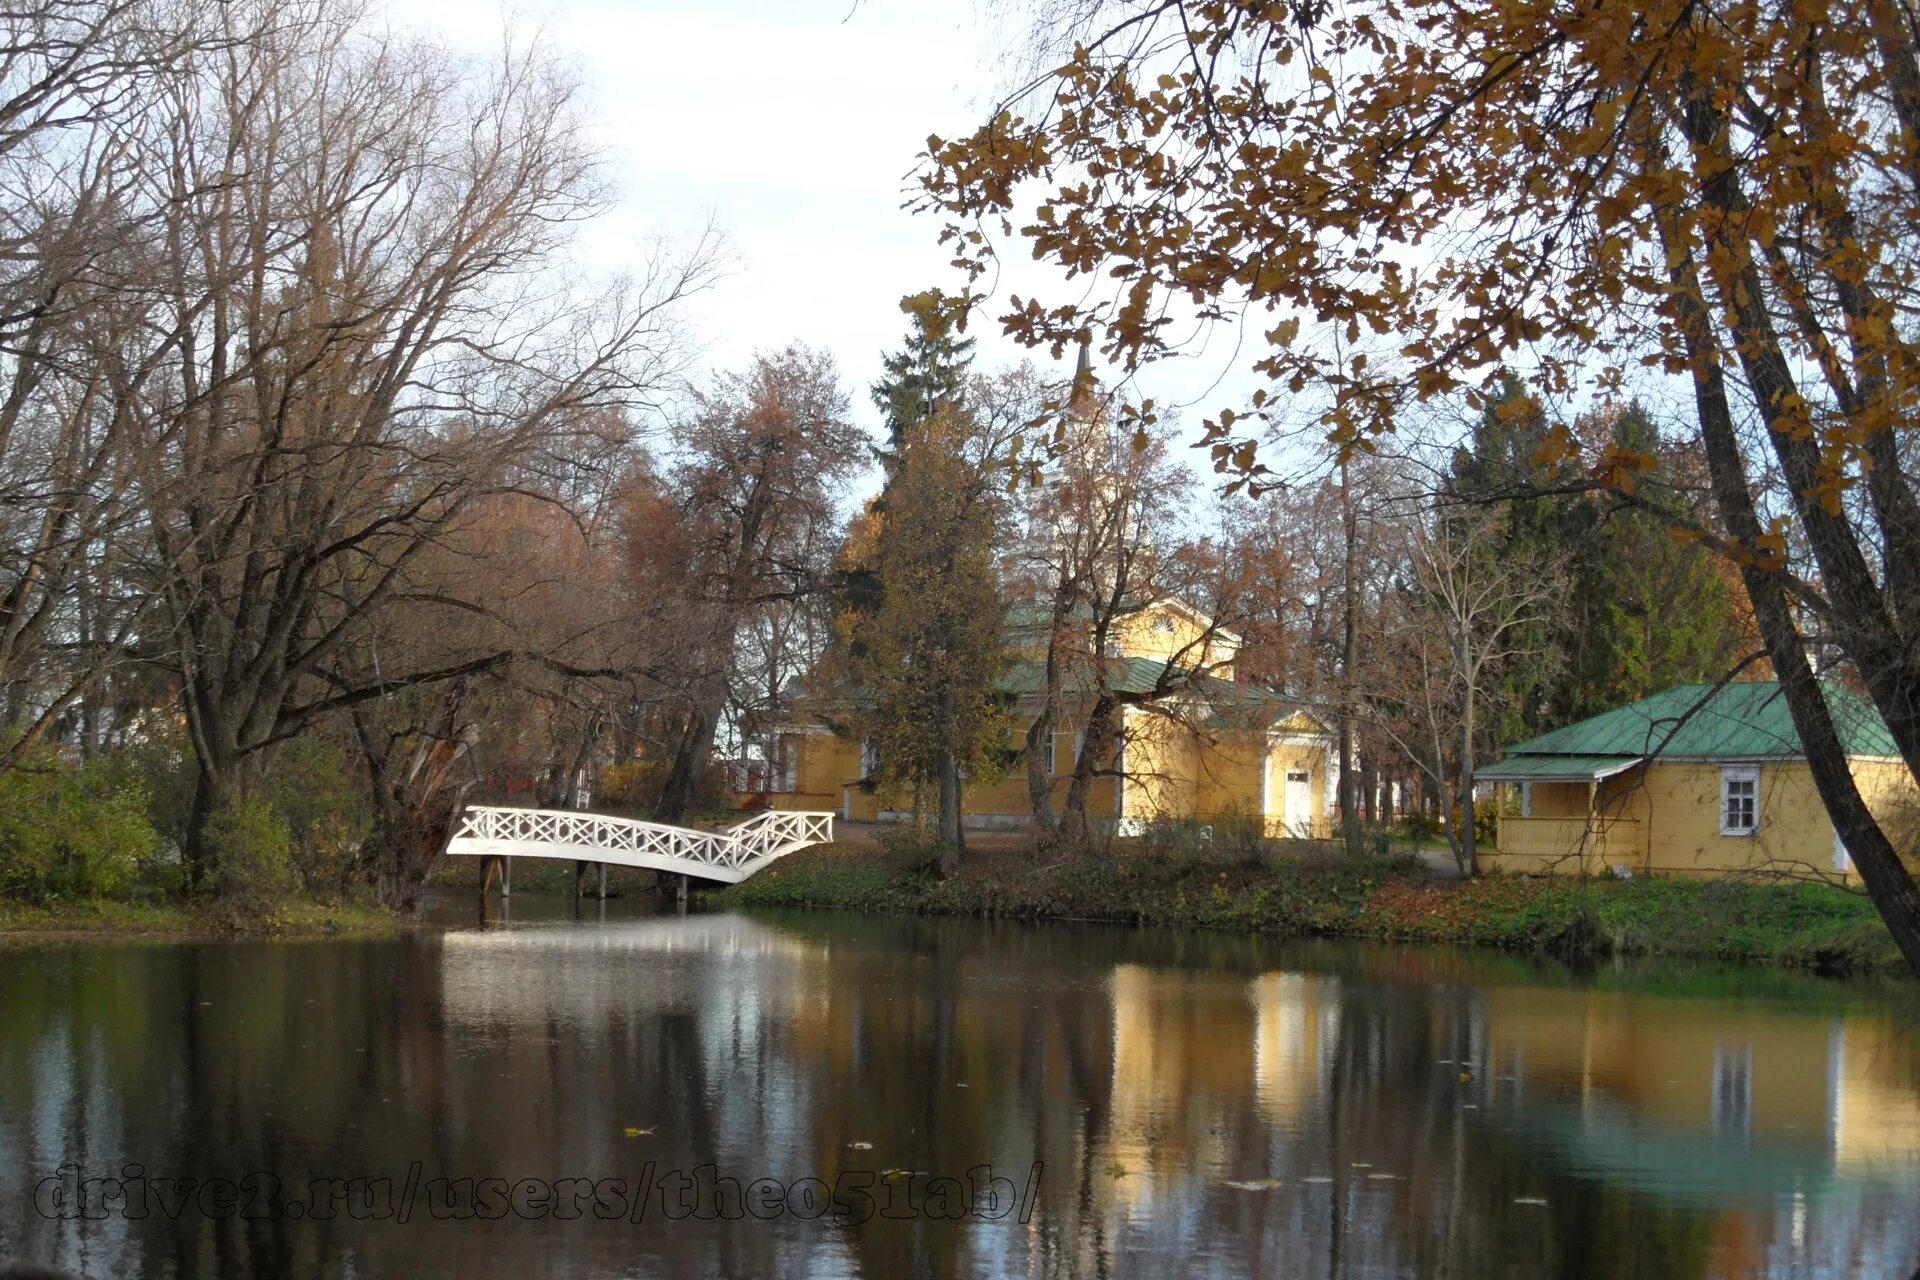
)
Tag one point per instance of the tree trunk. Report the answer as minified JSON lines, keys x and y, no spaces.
{"x":1469,"y":862}
{"x":951,"y":834}
{"x":1095,"y":745}
{"x":1349,"y":811}
{"x":688,"y":774}
{"x":1040,"y":769}
{"x":1888,"y":882}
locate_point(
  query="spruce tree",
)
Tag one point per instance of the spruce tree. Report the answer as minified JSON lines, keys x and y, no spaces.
{"x":929,"y":371}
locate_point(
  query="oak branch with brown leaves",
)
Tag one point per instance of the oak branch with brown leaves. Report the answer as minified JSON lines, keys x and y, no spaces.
{"x":1404,"y":197}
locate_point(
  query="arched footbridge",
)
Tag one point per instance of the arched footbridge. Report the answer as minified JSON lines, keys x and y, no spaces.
{"x":730,"y":854}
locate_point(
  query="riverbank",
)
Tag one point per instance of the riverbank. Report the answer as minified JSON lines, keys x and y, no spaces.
{"x":1812,"y":926}
{"x":172,"y":920}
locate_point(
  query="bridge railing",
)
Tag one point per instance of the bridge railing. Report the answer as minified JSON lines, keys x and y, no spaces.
{"x":569,"y":833}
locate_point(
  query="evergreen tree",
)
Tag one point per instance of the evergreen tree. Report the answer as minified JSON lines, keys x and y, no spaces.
{"x":929,"y":371}
{"x":1648,"y":612}
{"x":1645,"y":612}
{"x":929,"y":656}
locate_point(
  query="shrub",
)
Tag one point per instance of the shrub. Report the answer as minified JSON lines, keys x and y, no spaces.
{"x":253,"y":870}
{"x":1239,"y":839}
{"x":324,"y":808}
{"x":629,"y":783}
{"x":1184,"y":839}
{"x":1421,"y":827}
{"x":68,"y":832}
{"x":911,"y":844}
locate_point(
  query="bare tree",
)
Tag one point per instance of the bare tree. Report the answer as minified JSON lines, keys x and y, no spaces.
{"x":765,"y":454}
{"x":365,"y":323}
{"x":75,"y":77}
{"x":1463,"y":618}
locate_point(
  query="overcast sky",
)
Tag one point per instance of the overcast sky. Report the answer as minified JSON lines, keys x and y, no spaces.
{"x":794,"y":124}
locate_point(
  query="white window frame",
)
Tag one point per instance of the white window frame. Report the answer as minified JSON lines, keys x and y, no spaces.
{"x":1733,"y":1106}
{"x":1730,"y":774}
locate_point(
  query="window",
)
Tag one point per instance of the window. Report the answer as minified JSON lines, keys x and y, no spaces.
{"x":1739,"y":800}
{"x":1842,"y":860}
{"x":869,"y":759}
{"x":1163,"y":624}
{"x":1733,"y":1089}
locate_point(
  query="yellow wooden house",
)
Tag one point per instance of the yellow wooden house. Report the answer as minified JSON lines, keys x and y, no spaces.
{"x":1215,"y":751}
{"x":1694,"y":781}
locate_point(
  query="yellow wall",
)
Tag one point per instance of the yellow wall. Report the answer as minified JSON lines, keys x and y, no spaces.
{"x":1171,"y":772}
{"x":1665,"y":819}
{"x":1163,"y":630}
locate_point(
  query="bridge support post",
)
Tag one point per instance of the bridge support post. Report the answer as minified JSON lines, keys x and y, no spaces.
{"x":603,"y":882}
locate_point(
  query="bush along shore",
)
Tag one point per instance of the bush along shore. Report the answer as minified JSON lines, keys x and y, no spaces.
{"x":93,"y":848}
{"x":1814,"y":926}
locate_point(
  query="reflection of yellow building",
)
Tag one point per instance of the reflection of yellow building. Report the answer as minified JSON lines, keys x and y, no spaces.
{"x":1296,"y":1024}
{"x":1876,"y":1106}
{"x":1200,"y":746}
{"x":1746,"y":1072}
{"x":1182,"y":1050}
{"x":1695,"y":781}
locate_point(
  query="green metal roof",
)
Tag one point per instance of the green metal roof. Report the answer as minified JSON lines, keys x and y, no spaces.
{"x":1747,"y":719}
{"x":1127,"y":675}
{"x":1545,"y":768}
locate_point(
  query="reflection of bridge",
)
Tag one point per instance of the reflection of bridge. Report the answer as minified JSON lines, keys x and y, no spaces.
{"x":730,"y":854}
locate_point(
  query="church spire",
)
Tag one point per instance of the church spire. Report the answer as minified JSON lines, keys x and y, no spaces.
{"x":1082,"y":399}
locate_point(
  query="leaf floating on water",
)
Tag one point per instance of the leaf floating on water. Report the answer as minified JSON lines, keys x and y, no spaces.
{"x":1528,"y":1200}
{"x":1361,"y":1164}
{"x":1257,"y":1184}
{"x":1466,"y":1075}
{"x":861,"y":1146}
{"x":632,"y":1132}
{"x":1317,"y":1178}
{"x":1381,"y":1177}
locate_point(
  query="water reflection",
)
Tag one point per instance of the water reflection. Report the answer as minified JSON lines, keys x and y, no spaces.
{"x":1228,"y":1105}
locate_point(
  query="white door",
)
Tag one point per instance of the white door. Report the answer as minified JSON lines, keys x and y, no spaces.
{"x":1298,"y":812}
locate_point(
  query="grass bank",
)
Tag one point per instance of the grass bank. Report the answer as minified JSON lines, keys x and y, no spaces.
{"x":107,"y":918}
{"x":1808,"y":925}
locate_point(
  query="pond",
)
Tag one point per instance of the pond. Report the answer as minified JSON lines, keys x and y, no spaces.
{"x":591,"y":1089}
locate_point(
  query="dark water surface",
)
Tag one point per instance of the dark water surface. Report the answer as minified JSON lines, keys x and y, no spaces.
{"x":1197,"y":1104}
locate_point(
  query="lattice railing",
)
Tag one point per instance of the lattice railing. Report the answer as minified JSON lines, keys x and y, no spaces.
{"x":732,"y":854}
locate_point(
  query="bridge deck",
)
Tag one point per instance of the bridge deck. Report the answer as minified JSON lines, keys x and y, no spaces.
{"x":730,"y":855}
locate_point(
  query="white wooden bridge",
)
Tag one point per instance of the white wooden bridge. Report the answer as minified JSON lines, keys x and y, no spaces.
{"x":729,"y":855}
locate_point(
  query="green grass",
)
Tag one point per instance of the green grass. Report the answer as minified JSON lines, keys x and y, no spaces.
{"x":1808,"y":925}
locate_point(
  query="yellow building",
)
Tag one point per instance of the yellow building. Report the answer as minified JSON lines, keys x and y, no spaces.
{"x":1695,"y":781}
{"x":1211,"y":750}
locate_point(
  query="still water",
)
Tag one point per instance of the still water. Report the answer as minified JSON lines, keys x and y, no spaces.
{"x":1143,"y":1103}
